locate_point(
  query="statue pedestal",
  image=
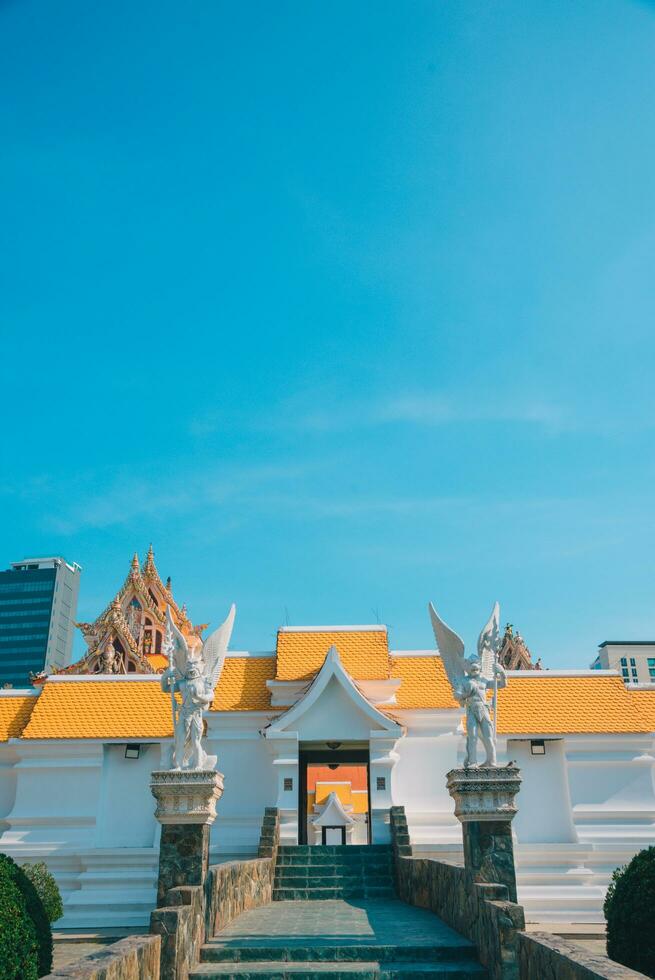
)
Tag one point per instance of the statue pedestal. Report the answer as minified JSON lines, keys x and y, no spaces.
{"x":484,"y":805}
{"x":186,"y":808}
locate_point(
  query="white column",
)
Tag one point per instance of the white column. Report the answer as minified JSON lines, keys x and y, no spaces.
{"x":383,"y":758}
{"x":284,"y":747}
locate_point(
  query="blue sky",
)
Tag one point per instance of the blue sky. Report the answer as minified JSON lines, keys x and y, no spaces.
{"x":344,"y":307}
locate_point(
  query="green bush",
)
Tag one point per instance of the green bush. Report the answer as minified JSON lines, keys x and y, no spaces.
{"x":25,"y":936}
{"x":46,"y":888}
{"x":630,"y":912}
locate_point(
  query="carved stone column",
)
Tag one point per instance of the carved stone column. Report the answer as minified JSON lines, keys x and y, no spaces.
{"x":186,"y":808}
{"x":484,"y":804}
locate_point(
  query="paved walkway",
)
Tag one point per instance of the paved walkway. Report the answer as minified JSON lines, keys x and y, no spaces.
{"x":336,"y":922}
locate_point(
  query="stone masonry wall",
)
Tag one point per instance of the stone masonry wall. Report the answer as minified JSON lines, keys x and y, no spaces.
{"x":181,"y":925}
{"x":134,"y":958}
{"x":190,"y":913}
{"x":546,"y":957}
{"x":234,"y":888}
{"x":481,"y":912}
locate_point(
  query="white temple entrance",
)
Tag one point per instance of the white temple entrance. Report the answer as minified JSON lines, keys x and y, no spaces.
{"x":334,"y":794}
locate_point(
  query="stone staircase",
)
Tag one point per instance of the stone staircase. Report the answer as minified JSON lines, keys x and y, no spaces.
{"x":378,"y":939}
{"x":322,"y":871}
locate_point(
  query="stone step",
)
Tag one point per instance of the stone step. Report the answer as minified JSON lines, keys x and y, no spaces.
{"x":373,"y":970}
{"x":342,"y":861}
{"x":334,"y":869}
{"x":283,"y":894}
{"x":337,"y":848}
{"x":217,"y":951}
{"x":318,"y":879}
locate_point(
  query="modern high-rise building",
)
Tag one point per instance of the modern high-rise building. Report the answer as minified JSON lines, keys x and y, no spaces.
{"x":634,"y":658}
{"x":38,"y":604}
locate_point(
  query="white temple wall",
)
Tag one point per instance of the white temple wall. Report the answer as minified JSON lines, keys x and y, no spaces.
{"x":612,"y":788}
{"x":433,"y":744}
{"x":7,"y":784}
{"x":126,"y":805}
{"x":544,"y":801}
{"x":419,"y":783}
{"x":250,"y":781}
{"x":57,"y":793}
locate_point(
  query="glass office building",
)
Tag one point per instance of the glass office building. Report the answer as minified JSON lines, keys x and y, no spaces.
{"x":38,"y":605}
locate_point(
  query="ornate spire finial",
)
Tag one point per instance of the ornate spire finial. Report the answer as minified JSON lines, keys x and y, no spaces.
{"x":149,"y":566}
{"x":116,"y":604}
{"x":168,"y":584}
{"x":135,"y":563}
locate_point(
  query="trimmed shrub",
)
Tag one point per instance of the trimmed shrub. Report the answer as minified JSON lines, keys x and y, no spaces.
{"x":25,"y":936}
{"x":630,"y":912}
{"x":46,"y":889}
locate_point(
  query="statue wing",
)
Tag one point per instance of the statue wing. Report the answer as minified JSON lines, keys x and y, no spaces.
{"x":451,"y":648}
{"x":489,"y":643}
{"x":215,"y":649}
{"x":177,"y":650}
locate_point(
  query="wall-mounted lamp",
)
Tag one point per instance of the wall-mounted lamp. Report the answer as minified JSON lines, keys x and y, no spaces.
{"x":132,"y":751}
{"x":538,"y":747}
{"x":333,"y":745}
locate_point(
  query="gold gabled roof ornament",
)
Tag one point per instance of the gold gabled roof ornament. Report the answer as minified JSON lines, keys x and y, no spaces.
{"x":128,"y":636}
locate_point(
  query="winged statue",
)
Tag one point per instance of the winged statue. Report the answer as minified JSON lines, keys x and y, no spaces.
{"x":193,"y":672}
{"x":471,"y":678}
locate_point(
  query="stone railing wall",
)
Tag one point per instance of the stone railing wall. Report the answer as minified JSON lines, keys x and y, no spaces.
{"x":190,"y":913}
{"x":269,"y":838}
{"x":134,"y":958}
{"x":180,"y":924}
{"x":234,"y":888}
{"x":481,"y":912}
{"x":546,"y":957}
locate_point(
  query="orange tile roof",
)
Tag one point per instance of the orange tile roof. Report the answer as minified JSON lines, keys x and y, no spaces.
{"x":644,"y":701}
{"x":135,"y":708}
{"x":424,"y":683}
{"x":567,"y":705}
{"x":242,"y":686}
{"x":101,"y":709}
{"x":157,"y":661}
{"x":364,"y":653}
{"x":15,"y":712}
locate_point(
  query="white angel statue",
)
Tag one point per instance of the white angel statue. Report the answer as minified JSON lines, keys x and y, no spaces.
{"x":194,"y":669}
{"x":470,"y":679}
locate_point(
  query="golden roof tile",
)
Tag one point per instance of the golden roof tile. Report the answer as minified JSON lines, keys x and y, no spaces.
{"x":644,"y":701}
{"x":424,"y":683}
{"x":15,"y":712}
{"x":557,"y":705}
{"x":242,"y":686}
{"x":364,"y":653}
{"x":101,"y":709}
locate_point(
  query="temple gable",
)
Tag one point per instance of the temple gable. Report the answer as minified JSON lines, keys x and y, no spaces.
{"x":128,"y":636}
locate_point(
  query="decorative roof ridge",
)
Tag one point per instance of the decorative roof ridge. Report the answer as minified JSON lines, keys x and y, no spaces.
{"x":253,"y":654}
{"x":101,"y":678}
{"x":332,"y":629}
{"x":427,"y":654}
{"x":20,"y":692}
{"x":565,"y":672}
